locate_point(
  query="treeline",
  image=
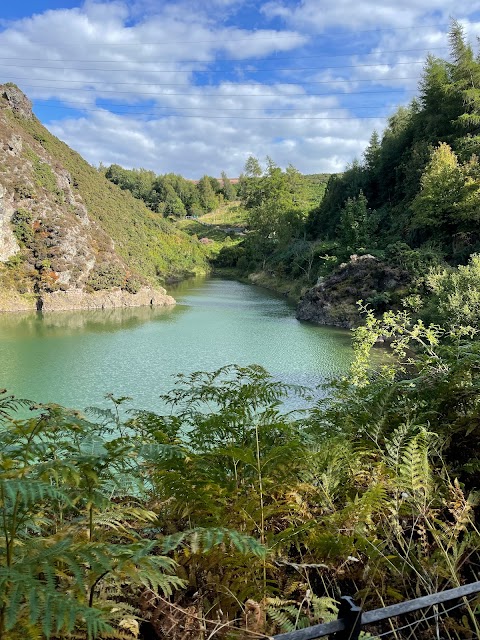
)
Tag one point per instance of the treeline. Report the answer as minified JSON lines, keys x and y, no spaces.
{"x":413,"y":199}
{"x":171,"y":194}
{"x":420,"y":183}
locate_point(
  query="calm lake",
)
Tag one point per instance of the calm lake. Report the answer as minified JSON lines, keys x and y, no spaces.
{"x":75,"y":358}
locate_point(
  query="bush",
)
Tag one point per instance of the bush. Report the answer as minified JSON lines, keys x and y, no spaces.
{"x":132,"y":284}
{"x":22,"y":221}
{"x":106,"y":276}
{"x":230,"y":256}
{"x":456,"y":293}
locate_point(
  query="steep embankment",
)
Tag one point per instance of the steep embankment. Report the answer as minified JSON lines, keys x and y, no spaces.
{"x":68,"y":237}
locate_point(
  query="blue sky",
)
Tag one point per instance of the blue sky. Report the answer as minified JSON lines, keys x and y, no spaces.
{"x":196,"y":87}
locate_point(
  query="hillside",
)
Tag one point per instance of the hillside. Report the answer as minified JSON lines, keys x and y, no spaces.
{"x":66,"y":232}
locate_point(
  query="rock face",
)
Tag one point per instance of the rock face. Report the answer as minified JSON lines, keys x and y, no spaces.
{"x":51,"y":249}
{"x":115,"y":298}
{"x":8,"y":243}
{"x":333,"y":300}
{"x":17,"y":100}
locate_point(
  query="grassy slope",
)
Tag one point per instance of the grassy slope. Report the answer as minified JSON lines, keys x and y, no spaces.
{"x":148,"y":243}
{"x":216,"y":226}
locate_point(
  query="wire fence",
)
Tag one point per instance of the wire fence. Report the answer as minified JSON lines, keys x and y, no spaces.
{"x":351,"y":618}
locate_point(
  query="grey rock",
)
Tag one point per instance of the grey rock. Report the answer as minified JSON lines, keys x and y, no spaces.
{"x":17,"y":100}
{"x":333,"y":300}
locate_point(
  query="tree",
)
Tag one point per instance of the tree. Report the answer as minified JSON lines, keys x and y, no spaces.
{"x":165,"y":198}
{"x":447,"y":208}
{"x":435,"y":208}
{"x":252,"y":168}
{"x":353,"y":229}
{"x":228,"y":189}
{"x":457,"y":293}
{"x":276,"y":202}
{"x":207,"y":196}
{"x":371,"y":154}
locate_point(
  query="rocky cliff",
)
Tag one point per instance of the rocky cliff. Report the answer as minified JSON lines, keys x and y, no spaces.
{"x":333,"y":300}
{"x":68,"y":237}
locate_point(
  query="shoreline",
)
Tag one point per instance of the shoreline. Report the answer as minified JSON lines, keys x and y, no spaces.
{"x":77,"y":300}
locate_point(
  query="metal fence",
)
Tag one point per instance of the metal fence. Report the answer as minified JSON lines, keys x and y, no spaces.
{"x":351,"y":618}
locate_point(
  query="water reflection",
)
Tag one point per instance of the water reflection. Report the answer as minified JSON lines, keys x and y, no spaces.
{"x":65,"y":323}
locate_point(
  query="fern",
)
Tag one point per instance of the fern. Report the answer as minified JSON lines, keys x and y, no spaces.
{"x":204,"y":539}
{"x":9,"y":404}
{"x":414,"y":467}
{"x":290,"y":615}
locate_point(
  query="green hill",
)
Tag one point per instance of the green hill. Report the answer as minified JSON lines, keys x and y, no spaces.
{"x":64,"y":226}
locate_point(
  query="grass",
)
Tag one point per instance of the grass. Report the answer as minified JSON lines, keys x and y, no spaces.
{"x":215,"y":229}
{"x":231,"y":213}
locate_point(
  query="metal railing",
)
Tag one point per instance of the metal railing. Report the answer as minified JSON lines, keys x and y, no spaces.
{"x":351,"y":618}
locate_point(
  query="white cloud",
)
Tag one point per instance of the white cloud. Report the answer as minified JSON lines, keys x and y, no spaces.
{"x":136,"y":58}
{"x":309,"y":15}
{"x":196,"y":146}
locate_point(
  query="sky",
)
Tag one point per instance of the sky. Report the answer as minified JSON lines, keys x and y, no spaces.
{"x":197,"y":86}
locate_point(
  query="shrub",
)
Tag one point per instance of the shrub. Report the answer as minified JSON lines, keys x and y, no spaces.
{"x":105,"y":276}
{"x":22,"y":221}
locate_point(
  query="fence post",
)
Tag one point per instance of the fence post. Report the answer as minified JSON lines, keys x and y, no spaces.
{"x":351,"y":615}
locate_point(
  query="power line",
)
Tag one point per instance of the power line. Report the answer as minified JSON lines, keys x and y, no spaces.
{"x":256,"y":57}
{"x":209,"y":117}
{"x":237,"y":70}
{"x":244,"y":84}
{"x":132,"y":106}
{"x":227,"y":95}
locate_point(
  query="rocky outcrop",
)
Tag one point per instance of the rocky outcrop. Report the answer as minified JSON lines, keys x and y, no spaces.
{"x":333,"y":300}
{"x":112,"y":299}
{"x":13,"y":301}
{"x":64,"y":259}
{"x":17,"y":100}
{"x":8,"y":243}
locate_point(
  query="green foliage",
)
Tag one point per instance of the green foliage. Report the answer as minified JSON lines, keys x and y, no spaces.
{"x":440,"y":197}
{"x":422,"y":176}
{"x":106,"y":276}
{"x":71,"y":530}
{"x":22,"y":221}
{"x":456,"y":294}
{"x":138,"y":181}
{"x":289,"y":616}
{"x":229,"y":191}
{"x":171,"y":194}
{"x":208,"y":199}
{"x":265,"y":515}
{"x":353,"y":228}
{"x":149,"y":245}
{"x":43,"y":174}
{"x":229,"y":256}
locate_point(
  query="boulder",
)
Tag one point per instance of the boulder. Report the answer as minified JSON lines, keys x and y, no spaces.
{"x":333,"y":300}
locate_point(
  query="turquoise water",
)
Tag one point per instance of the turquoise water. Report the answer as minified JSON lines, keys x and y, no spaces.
{"x":75,"y":358}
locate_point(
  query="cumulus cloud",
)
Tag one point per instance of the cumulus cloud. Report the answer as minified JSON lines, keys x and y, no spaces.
{"x":196,"y":87}
{"x":308,"y":14}
{"x":199,"y":146}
